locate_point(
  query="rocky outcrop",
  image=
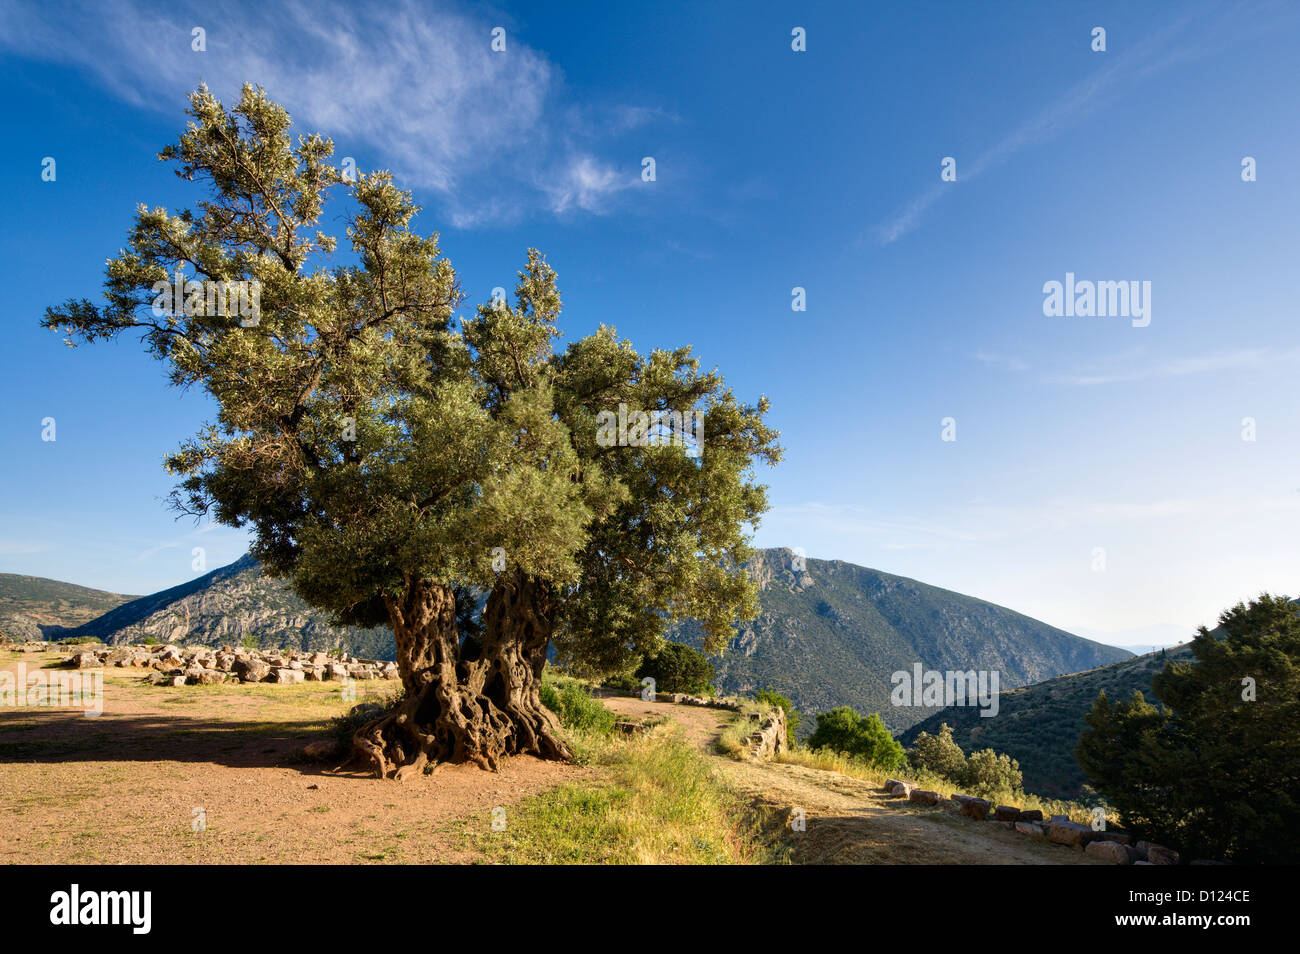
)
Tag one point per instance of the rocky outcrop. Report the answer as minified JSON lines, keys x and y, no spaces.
{"x":228,"y":606}
{"x":15,"y":627}
{"x":779,"y":566}
{"x":769,"y":739}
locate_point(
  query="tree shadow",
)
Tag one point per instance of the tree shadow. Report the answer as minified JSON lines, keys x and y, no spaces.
{"x":57,"y":736}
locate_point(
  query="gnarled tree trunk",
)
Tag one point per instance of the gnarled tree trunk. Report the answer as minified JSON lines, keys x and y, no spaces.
{"x":466,"y":700}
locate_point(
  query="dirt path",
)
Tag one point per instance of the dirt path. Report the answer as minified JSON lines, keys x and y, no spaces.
{"x":847,"y":820}
{"x":124,"y":787}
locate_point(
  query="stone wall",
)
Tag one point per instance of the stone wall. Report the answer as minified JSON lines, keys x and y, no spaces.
{"x":1114,"y":847}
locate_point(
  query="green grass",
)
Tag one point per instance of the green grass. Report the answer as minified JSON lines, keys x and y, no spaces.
{"x":661,"y":803}
{"x":658,"y":801}
{"x":578,"y":711}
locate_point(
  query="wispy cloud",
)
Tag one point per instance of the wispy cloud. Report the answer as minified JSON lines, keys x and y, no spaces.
{"x":1008,"y":362}
{"x":585,"y":183}
{"x":961,"y":526}
{"x":1131,"y":368}
{"x":417,"y":90}
{"x":1119,"y":74}
{"x":146,"y":554}
{"x":21,"y":547}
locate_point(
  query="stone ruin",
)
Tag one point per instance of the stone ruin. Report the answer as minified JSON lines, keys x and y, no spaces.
{"x":1110,"y":846}
{"x":205,"y":665}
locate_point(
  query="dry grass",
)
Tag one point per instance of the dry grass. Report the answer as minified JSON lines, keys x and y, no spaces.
{"x":855,"y":768}
{"x":734,"y":739}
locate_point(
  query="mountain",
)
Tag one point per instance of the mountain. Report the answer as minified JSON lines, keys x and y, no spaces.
{"x":830,"y":635}
{"x":835,"y":633}
{"x":1039,"y":725}
{"x":233,"y":605}
{"x":32,"y":607}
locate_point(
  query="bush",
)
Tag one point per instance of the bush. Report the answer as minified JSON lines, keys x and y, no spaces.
{"x":627,"y":683}
{"x":983,"y":773}
{"x":843,"y":730}
{"x":678,"y":668}
{"x":987,"y":773}
{"x":938,"y":754}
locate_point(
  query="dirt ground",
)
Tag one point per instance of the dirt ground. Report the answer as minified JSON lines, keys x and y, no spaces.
{"x":128,"y":786}
{"x":131,"y":786}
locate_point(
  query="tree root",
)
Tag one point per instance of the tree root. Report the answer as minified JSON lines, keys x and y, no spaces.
{"x":453,"y":724}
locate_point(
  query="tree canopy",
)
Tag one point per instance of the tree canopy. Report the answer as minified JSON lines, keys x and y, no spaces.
{"x":396,"y":461}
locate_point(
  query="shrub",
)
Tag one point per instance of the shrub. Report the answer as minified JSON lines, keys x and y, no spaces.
{"x":625,"y":683}
{"x":938,"y":754}
{"x":843,"y":730}
{"x":678,"y":668}
{"x":987,"y":773}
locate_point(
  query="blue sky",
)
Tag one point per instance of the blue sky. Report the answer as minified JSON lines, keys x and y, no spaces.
{"x":774,"y":169}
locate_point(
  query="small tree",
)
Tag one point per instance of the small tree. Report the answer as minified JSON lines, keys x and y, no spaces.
{"x":1215,"y":769}
{"x":938,"y":754}
{"x":988,"y":773}
{"x":843,"y":730}
{"x":678,"y":668}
